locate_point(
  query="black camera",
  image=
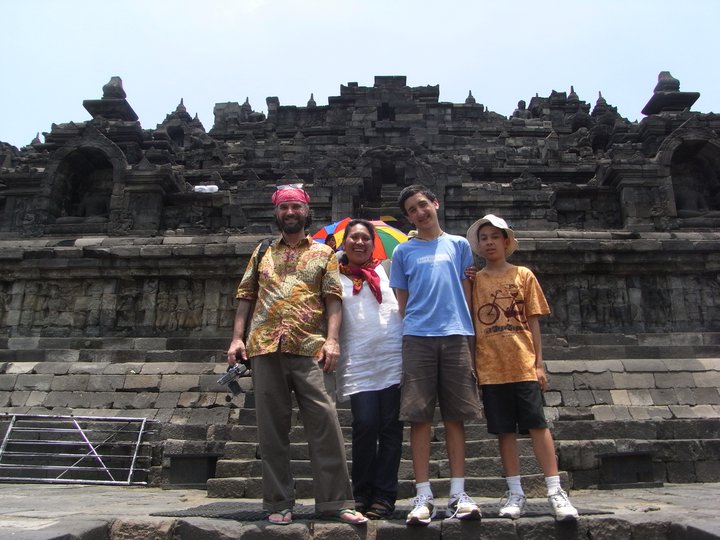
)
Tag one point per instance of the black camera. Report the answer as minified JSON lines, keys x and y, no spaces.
{"x":234,"y":372}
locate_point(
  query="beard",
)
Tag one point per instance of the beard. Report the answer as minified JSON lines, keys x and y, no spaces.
{"x":292,"y":227}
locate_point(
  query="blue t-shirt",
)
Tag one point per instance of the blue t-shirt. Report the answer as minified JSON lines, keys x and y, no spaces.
{"x":432,"y":273}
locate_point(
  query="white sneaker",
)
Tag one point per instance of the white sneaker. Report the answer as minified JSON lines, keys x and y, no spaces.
{"x":562,"y":508}
{"x":512,"y":505}
{"x":462,"y":507}
{"x":423,"y":511}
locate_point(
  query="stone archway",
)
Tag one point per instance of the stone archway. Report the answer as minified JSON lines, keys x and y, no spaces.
{"x":691,"y":159}
{"x":81,"y":179}
{"x":384,"y":171}
{"x":82,"y":188}
{"x":695,"y":171}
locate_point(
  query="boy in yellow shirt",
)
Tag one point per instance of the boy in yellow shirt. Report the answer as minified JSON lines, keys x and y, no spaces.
{"x":507,"y":304}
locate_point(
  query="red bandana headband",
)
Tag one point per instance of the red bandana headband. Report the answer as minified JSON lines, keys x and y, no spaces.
{"x":290,"y":194}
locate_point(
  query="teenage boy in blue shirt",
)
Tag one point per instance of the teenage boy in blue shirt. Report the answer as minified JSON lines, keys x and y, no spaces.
{"x":434,"y":295}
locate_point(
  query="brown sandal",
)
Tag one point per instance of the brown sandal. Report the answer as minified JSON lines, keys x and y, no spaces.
{"x":380,"y":510}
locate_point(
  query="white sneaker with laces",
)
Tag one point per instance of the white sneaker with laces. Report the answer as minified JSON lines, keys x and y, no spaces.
{"x":462,"y":507}
{"x":512,"y":505}
{"x":422,"y":512}
{"x":562,"y":508}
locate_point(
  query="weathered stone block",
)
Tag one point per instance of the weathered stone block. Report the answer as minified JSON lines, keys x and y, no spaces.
{"x":69,"y":383}
{"x":105,"y":383}
{"x":143,"y":400}
{"x":132,"y":368}
{"x":552,"y":399}
{"x":644,"y":365}
{"x":15,"y":368}
{"x":681,"y":472}
{"x":131,"y":529}
{"x":674,"y":380}
{"x":7,"y":382}
{"x":180,"y":383}
{"x":707,"y":379}
{"x":665,"y":396}
{"x":641,"y":397}
{"x":633,"y":380}
{"x":54,"y":368}
{"x":593,"y":381}
{"x":37,"y":399}
{"x":708,"y":396}
{"x":620,"y":397}
{"x":27,"y":381}
{"x":603,"y":397}
{"x":585,"y":398}
{"x":142,"y":383}
{"x":87,"y":368}
{"x":19,"y":398}
{"x":167,"y":400}
{"x":116,"y":400}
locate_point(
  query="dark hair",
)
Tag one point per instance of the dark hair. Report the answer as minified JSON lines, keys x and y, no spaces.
{"x":364,"y":222}
{"x":409,"y":191}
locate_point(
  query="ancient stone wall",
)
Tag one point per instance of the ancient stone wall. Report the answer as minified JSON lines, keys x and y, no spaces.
{"x":599,"y":282}
{"x":112,"y":229}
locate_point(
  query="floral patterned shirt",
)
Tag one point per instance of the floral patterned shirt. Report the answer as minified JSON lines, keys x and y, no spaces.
{"x":289,"y":314}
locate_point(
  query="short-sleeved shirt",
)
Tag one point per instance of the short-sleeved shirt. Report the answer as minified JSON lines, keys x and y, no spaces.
{"x":289,"y":314}
{"x":432,"y":272}
{"x":370,"y":339}
{"x":504,"y":351}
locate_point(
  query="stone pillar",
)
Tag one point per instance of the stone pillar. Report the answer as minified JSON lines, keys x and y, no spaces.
{"x":646,"y":199}
{"x":142,"y":208}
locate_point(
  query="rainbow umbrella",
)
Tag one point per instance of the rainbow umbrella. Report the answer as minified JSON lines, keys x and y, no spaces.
{"x":386,"y":237}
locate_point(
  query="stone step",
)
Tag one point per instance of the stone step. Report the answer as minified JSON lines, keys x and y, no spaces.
{"x":299,"y":449}
{"x":248,"y":432}
{"x":603,"y":352}
{"x":675,"y":461}
{"x":659,"y":429}
{"x":475,"y":467}
{"x":211,"y":348}
{"x":115,"y":356}
{"x":240,"y":487}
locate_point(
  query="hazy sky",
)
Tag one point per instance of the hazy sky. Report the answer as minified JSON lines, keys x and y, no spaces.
{"x":57,"y":53}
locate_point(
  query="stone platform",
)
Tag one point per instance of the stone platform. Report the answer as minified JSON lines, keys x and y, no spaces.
{"x":52,"y":512}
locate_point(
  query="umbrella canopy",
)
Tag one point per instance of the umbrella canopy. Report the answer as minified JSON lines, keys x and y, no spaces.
{"x":386,"y":237}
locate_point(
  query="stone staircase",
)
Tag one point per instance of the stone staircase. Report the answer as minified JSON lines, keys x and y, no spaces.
{"x":238,"y":473}
{"x":612,"y":394}
{"x":609,"y":394}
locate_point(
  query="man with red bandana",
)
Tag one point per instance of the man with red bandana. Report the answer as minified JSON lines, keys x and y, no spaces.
{"x":293,"y":344}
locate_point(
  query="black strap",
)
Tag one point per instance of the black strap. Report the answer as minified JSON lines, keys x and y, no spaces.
{"x":263,"y":247}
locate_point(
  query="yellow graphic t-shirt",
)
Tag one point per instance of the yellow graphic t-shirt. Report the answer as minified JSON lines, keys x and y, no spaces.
{"x":504,"y":351}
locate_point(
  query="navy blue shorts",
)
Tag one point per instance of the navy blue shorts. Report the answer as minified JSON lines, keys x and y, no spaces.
{"x":513,"y":407}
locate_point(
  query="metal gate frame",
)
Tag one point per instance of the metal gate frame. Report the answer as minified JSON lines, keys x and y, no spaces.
{"x":94,"y":452}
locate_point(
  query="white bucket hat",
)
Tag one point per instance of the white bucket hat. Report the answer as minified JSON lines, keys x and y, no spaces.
{"x":472,"y":233}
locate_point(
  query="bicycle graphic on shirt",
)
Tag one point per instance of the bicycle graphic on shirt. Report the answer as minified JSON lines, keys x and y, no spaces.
{"x":489,"y":313}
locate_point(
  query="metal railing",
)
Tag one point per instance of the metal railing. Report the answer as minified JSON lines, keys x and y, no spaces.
{"x":74,"y":449}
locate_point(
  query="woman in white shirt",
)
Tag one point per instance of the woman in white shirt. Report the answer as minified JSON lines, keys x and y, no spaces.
{"x":369,"y":370}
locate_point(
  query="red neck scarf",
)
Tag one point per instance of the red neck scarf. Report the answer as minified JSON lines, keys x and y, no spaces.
{"x":366,"y":272}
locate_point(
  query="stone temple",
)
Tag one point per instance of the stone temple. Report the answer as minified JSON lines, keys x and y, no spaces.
{"x":121,"y":246}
